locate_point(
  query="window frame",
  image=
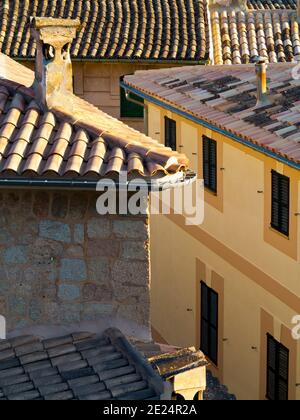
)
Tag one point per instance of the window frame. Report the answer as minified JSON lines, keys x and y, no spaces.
{"x":206,"y":160}
{"x":210,"y":324}
{"x":280,"y":202}
{"x":170,"y":142}
{"x":276,"y":372}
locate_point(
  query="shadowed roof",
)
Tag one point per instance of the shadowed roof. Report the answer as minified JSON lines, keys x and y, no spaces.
{"x":79,"y":366}
{"x":114,"y":29}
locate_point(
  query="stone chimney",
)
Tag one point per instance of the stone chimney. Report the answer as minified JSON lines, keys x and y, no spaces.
{"x":53,"y":67}
{"x":261,"y":81}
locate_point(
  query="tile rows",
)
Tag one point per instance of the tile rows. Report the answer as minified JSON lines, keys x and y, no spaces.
{"x":79,"y":366}
{"x":225,"y":96}
{"x":73,"y":139}
{"x":239,"y":36}
{"x":114,"y":29}
{"x":271,"y":4}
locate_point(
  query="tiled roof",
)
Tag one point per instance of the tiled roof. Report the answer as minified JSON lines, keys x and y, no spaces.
{"x":225,"y":97}
{"x":271,"y":4}
{"x":77,"y":366}
{"x":239,"y":36}
{"x":73,"y":139}
{"x":114,"y":29}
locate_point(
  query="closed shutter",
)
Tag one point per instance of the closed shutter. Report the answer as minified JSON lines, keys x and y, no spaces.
{"x":170,"y":133}
{"x":210,"y":163}
{"x":277,"y":370}
{"x":280,"y":203}
{"x":209,"y":323}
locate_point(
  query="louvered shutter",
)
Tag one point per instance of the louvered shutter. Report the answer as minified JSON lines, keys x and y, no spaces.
{"x":277,"y":370}
{"x":271,"y":369}
{"x":209,"y":322}
{"x":210,"y":163}
{"x":213,"y":165}
{"x":280,"y":203}
{"x":285,"y":204}
{"x":283,"y":371}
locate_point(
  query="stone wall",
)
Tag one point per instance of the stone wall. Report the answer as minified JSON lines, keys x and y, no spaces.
{"x":62,"y":263}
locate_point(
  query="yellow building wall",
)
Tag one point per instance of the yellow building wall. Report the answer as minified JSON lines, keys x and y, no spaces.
{"x":260,"y":267}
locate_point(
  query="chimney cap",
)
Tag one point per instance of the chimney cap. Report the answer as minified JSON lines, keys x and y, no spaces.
{"x":258,"y":59}
{"x":46,"y":22}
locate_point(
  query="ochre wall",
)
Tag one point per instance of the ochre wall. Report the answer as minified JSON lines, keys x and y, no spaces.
{"x":235,"y":252}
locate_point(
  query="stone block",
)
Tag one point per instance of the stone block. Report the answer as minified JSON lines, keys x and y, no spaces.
{"x":15,"y":255}
{"x":59,"y":205}
{"x":99,"y":228}
{"x":130,"y":273}
{"x":130,"y":229}
{"x":68,"y":292}
{"x":41,"y":204}
{"x":17,"y":306}
{"x":73,"y":270}
{"x":94,"y":311}
{"x":103,"y":248}
{"x":54,"y":230}
{"x":99,"y":270}
{"x":78,"y":206}
{"x":74,"y":251}
{"x":135,"y":250}
{"x":79,"y":234}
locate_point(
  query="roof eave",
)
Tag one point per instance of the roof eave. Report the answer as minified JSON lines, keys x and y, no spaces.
{"x":211,"y":126}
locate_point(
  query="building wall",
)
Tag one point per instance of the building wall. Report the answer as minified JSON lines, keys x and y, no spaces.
{"x":99,"y":84}
{"x":254,"y":269}
{"x":62,"y":263}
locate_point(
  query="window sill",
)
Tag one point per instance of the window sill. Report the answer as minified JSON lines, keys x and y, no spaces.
{"x":137,"y":119}
{"x":279,"y":233}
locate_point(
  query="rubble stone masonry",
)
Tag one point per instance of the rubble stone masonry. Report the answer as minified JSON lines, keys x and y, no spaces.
{"x":62,"y":263}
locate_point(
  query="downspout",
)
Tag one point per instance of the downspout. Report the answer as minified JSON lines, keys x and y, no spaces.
{"x":145,"y":106}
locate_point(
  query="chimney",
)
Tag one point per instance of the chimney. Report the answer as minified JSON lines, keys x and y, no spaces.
{"x":261,"y":81}
{"x":53,"y":67}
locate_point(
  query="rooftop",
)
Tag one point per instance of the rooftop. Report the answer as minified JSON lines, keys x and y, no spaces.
{"x":71,"y":138}
{"x":79,"y":366}
{"x":224,"y":97}
{"x":172,"y":30}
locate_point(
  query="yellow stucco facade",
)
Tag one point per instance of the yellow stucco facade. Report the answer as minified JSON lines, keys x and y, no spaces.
{"x":254,"y":269}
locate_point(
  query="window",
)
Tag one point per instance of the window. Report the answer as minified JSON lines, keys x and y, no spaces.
{"x":130,"y":109}
{"x":210,"y":163}
{"x":280,"y":203}
{"x":209,"y":322}
{"x":170,"y":133}
{"x":277,"y":370}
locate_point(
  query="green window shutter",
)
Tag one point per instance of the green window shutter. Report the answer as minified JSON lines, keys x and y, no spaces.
{"x":129,"y":109}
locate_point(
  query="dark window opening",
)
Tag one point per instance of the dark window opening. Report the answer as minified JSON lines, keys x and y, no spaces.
{"x":209,"y":322}
{"x":280,"y":203}
{"x":210,"y":164}
{"x":170,"y":133}
{"x":277,"y":370}
{"x":129,"y":109}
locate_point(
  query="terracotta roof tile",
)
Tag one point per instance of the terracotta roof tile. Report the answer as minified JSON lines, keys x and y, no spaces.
{"x":227,"y":99}
{"x":114,"y":29}
{"x":74,"y":138}
{"x":240,"y":35}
